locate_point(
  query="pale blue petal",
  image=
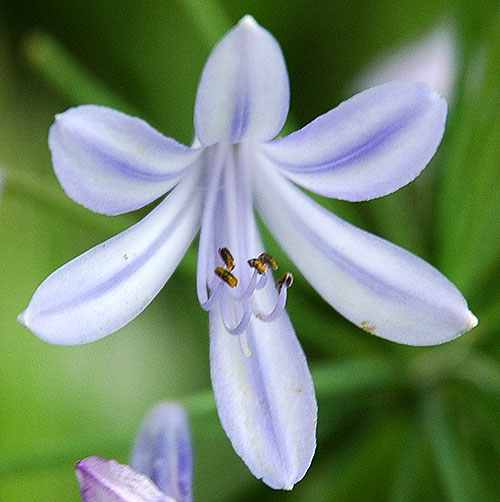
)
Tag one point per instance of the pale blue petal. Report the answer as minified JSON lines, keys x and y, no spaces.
{"x":369,"y":146}
{"x":265,"y":397}
{"x":377,"y":285}
{"x":108,"y":481}
{"x":112,"y":163}
{"x":243,"y":93}
{"x":105,"y":288}
{"x":162,"y":450}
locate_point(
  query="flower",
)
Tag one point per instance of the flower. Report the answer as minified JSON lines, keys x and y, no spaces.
{"x":161,"y":465}
{"x":431,"y":59}
{"x":368,"y":146}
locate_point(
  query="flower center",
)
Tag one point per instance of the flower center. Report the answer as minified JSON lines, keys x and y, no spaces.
{"x":228,"y":291}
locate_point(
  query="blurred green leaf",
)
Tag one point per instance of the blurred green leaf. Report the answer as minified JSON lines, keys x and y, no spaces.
{"x":451,"y":456}
{"x":62,"y":71}
{"x":209,"y":18}
{"x":408,"y":471}
{"x":469,"y":227}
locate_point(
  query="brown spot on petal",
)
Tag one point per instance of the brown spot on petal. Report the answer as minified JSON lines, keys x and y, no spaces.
{"x":369,"y":328}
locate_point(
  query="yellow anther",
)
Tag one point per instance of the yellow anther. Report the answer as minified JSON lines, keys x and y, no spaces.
{"x":268,"y":260}
{"x":285,"y":280}
{"x":226,"y":276}
{"x":227,"y":258}
{"x":258,"y":265}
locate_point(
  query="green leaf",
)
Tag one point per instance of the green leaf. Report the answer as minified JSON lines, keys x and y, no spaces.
{"x":451,"y":457}
{"x":60,"y":69}
{"x":469,"y":227}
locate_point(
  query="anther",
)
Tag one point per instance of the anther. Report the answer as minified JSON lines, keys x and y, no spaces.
{"x":226,"y":276}
{"x":268,"y":260}
{"x":286,"y":280}
{"x":258,"y":265}
{"x":227,"y":258}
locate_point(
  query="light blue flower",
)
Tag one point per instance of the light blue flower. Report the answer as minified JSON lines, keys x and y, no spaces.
{"x":369,"y":146}
{"x":161,"y":465}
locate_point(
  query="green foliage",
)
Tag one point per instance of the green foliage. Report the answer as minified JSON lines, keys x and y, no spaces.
{"x":395,"y":423}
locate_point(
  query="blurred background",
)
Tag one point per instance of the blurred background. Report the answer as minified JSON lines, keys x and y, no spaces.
{"x":396,"y":423}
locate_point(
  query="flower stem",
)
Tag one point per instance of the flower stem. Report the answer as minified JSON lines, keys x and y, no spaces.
{"x":48,"y":58}
{"x":209,"y":18}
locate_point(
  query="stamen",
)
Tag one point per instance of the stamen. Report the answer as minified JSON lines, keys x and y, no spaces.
{"x":283,"y":283}
{"x":227,"y":258}
{"x":226,"y":276}
{"x":285,"y":280}
{"x":262,"y":281}
{"x":268,"y":260}
{"x":252,"y":285}
{"x":241,"y":326}
{"x":258,"y":265}
{"x":213,"y":299}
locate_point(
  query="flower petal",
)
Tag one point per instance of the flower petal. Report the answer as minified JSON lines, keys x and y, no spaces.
{"x":377,"y":285}
{"x":105,"y":288}
{"x":112,"y":163}
{"x":108,"y":481}
{"x":369,"y":146}
{"x":266,"y":401}
{"x":163,"y":451}
{"x":244,"y":91}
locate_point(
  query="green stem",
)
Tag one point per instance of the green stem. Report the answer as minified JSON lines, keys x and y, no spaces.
{"x":61,"y":70}
{"x":209,"y":18}
{"x":445,"y":448}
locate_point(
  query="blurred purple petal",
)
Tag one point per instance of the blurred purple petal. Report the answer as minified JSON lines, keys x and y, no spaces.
{"x":108,"y":481}
{"x":105,"y":288}
{"x":432,"y":59}
{"x":369,"y":146}
{"x":163,"y":451}
{"x":379,"y":286}
{"x":113,"y":163}
{"x":244,"y":92}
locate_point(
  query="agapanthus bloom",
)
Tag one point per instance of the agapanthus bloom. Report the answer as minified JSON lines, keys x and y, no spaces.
{"x":367,"y":147}
{"x":161,"y":465}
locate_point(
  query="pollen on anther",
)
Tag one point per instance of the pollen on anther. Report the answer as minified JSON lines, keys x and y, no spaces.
{"x":226,"y":276}
{"x":268,"y":260}
{"x":285,"y":280}
{"x":227,"y":257}
{"x":258,"y":265}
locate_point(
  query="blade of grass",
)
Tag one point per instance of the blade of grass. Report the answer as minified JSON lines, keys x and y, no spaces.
{"x":209,"y":18}
{"x":408,"y":470}
{"x":469,"y":228}
{"x":449,"y":454}
{"x":58,"y":67}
